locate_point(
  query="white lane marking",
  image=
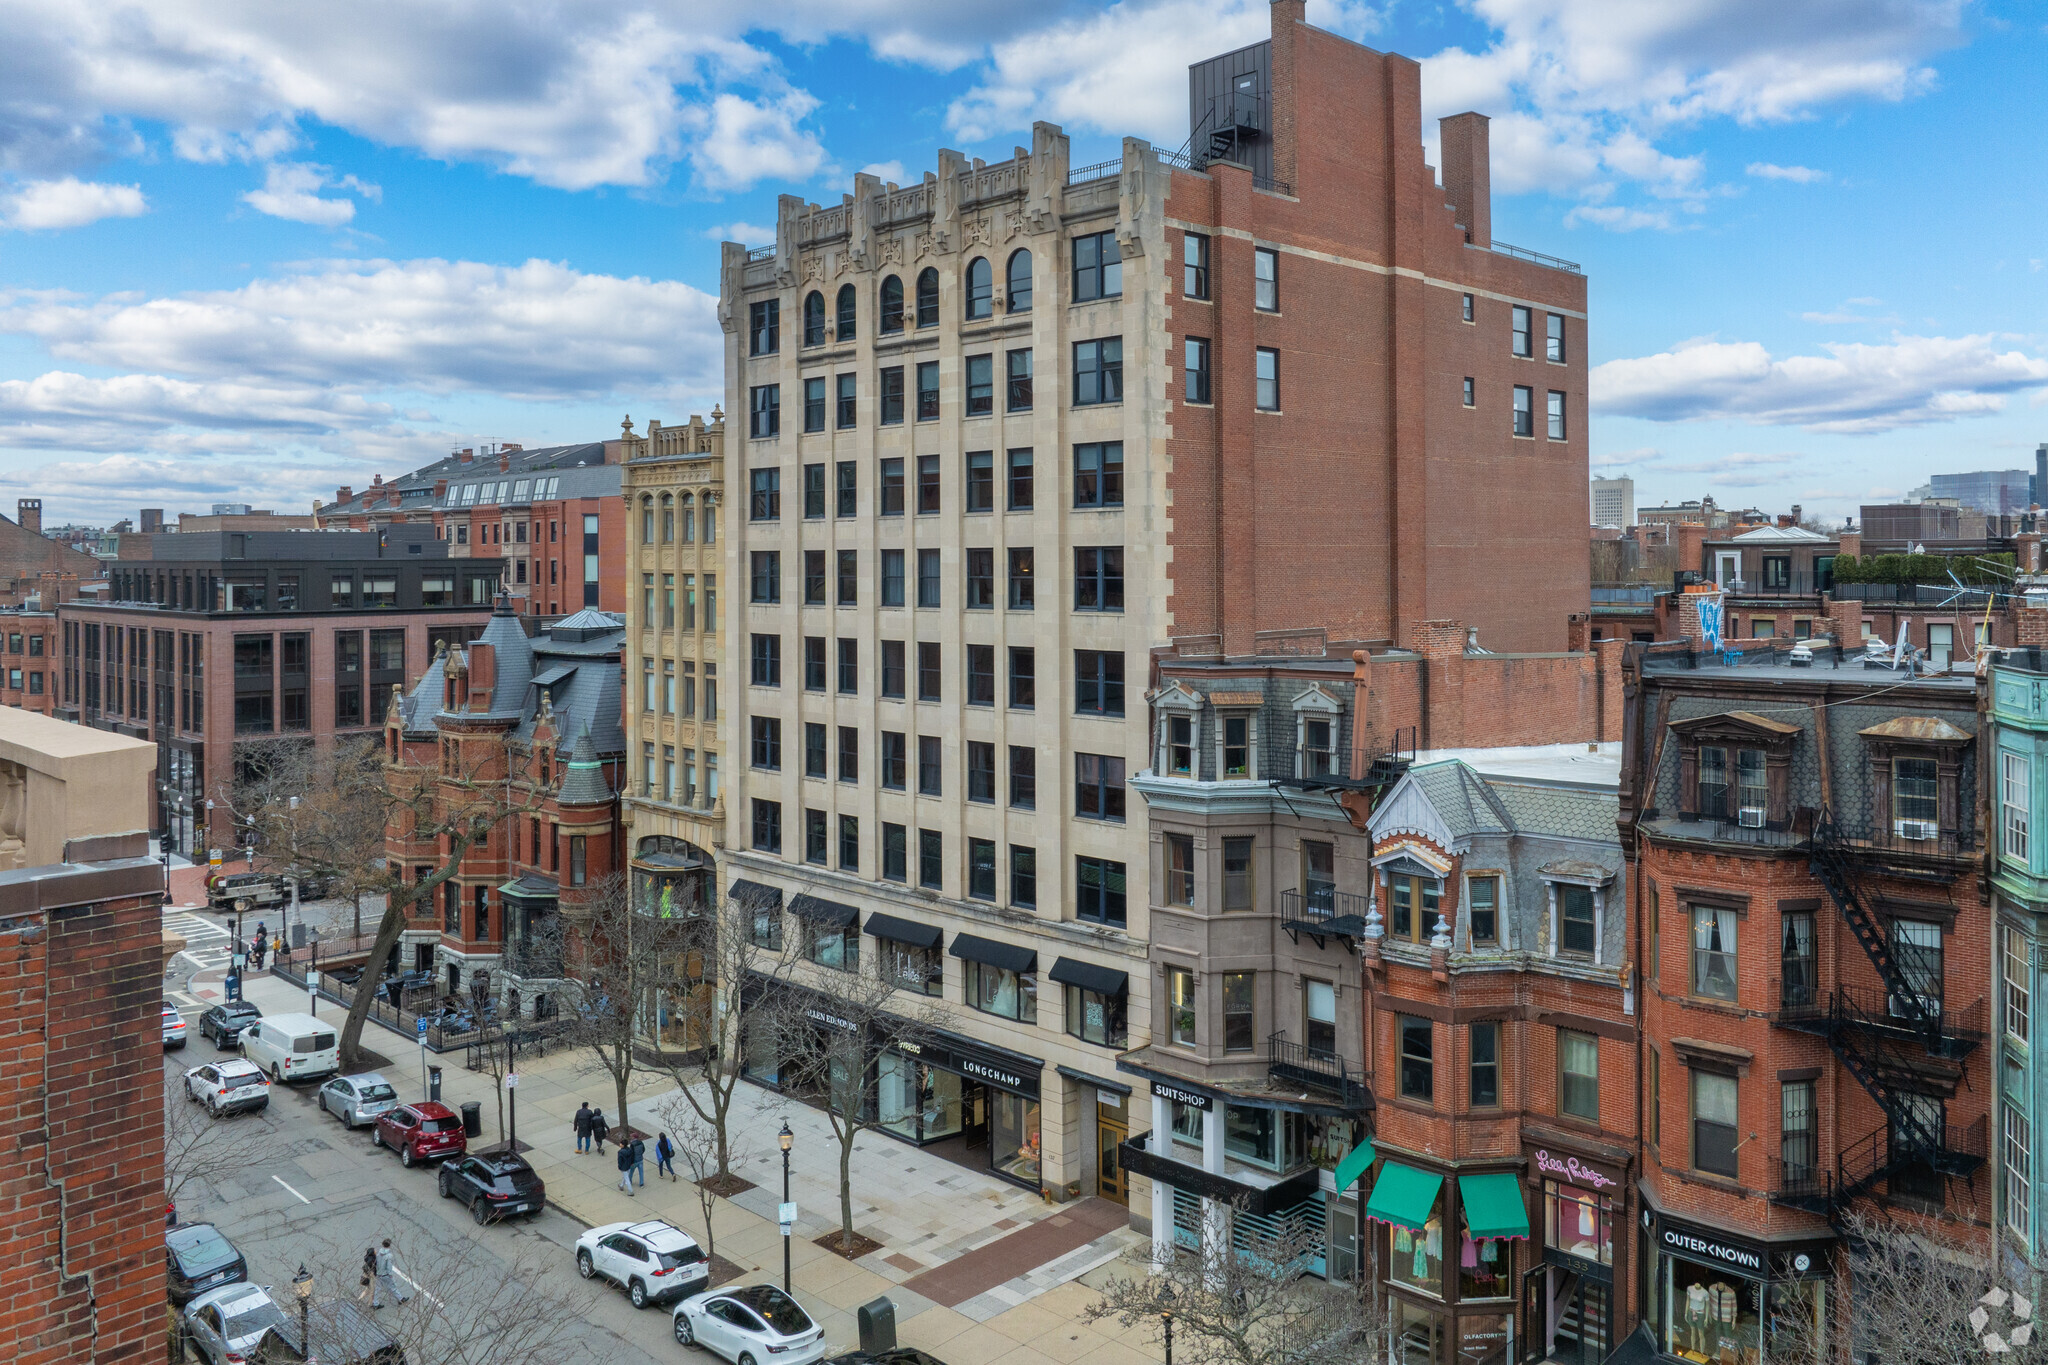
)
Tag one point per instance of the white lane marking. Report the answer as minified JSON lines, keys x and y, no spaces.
{"x":421,"y":1289}
{"x":295,"y":1194}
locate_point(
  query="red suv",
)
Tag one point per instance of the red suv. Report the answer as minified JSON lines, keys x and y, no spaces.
{"x":421,"y":1132}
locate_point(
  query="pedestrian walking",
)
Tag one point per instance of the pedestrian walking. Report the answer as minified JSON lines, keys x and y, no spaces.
{"x":599,"y":1129}
{"x":369,"y":1269}
{"x":387,"y":1277}
{"x":581,"y":1122}
{"x":626,"y":1167}
{"x":639,"y":1150}
{"x":664,"y":1155}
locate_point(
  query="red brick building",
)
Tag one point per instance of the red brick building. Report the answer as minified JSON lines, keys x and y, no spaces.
{"x":538,"y":721}
{"x":1803,"y":844}
{"x":26,"y":555}
{"x":82,"y":1108}
{"x":553,"y":516}
{"x":28,"y":659}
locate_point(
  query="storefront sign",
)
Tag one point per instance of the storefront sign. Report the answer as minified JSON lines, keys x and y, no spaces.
{"x":1572,"y":1169}
{"x":1009,"y":1080}
{"x":1692,"y":1245}
{"x":949,"y":1052}
{"x":828,"y":1020}
{"x":1193,"y":1099}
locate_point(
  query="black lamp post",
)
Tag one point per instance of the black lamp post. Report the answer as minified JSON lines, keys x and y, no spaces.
{"x":302,"y":1285}
{"x":785,"y":1139}
{"x":1166,"y":1318}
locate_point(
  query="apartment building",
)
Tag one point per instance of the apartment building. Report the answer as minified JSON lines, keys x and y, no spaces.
{"x":552,"y":516}
{"x":1022,"y":433}
{"x":1815,"y":945}
{"x":674,"y":481}
{"x":207,"y":641}
{"x":1614,"y":502}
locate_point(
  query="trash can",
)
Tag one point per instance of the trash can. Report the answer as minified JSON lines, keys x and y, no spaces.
{"x":434,"y":1084}
{"x":472,"y":1118}
{"x":878,"y":1325}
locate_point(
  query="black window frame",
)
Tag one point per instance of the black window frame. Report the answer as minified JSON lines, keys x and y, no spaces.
{"x":1194,"y":257}
{"x":1096,"y":692}
{"x":1099,"y":372}
{"x":980,"y":566}
{"x":814,"y":403}
{"x":766,"y":656}
{"x":1103,"y":897}
{"x":927,"y":393}
{"x":846,"y":396}
{"x":1195,"y":370}
{"x":764,"y":411}
{"x":981,"y":675}
{"x":1100,"y":792}
{"x":978,"y":291}
{"x":890,"y":396}
{"x":1098,"y":475}
{"x":764,"y":327}
{"x":1023,"y":777}
{"x":1099,"y":578}
{"x":1416,"y":1047}
{"x":1098,"y":267}
{"x":980,"y":373}
{"x":1014,"y":287}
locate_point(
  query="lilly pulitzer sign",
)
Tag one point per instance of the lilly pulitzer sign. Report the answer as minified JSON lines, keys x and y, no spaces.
{"x":1572,"y":1169}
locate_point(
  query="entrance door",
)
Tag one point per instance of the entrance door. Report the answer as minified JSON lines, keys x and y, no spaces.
{"x":1110,"y":1181}
{"x":973,"y":1113}
{"x":1584,"y":1325}
{"x":1727,"y":569}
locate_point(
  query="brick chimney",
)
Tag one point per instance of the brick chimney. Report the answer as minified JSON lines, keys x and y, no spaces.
{"x":152,"y":519}
{"x":1468,"y":174}
{"x":29,"y":512}
{"x":504,"y":462}
{"x":1689,"y":539}
{"x":1850,"y":543}
{"x":513,"y":445}
{"x":344,"y":493}
{"x":467,"y":456}
{"x":1288,"y":18}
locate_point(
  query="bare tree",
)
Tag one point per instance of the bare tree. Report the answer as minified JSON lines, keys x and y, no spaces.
{"x":632,"y":964}
{"x":200,"y":1149}
{"x":701,"y":1157}
{"x":319,"y":813}
{"x":824,"y":1040}
{"x":713,"y":1009}
{"x":1255,"y":1302}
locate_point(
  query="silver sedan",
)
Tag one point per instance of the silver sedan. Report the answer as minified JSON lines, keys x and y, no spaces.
{"x":357,"y":1099}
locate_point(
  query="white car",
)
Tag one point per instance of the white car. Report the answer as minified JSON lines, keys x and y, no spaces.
{"x":755,"y":1324}
{"x":651,"y":1261}
{"x":357,"y":1099}
{"x":228,"y":1323}
{"x":174,"y":1026}
{"x":228,"y":1086}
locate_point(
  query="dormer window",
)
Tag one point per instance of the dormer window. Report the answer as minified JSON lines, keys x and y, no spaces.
{"x":1914,"y":794}
{"x":1315,"y":747}
{"x":1180,"y":746}
{"x":1315,"y":724}
{"x":1236,"y":747}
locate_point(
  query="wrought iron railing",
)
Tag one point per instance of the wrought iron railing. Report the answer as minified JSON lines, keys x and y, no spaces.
{"x":1318,"y":904}
{"x":1537,"y":257}
{"x":760,"y":253}
{"x":1322,"y":1069}
{"x":1101,"y":170}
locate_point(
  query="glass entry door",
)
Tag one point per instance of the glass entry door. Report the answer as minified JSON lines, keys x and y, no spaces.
{"x":1567,"y":1317}
{"x":1110,"y":1180}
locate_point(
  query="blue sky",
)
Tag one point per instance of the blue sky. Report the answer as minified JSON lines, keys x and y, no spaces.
{"x":249,"y":252}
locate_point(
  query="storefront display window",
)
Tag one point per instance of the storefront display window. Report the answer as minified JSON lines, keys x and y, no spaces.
{"x":1187,"y":1122}
{"x":1013,"y":1135}
{"x":1331,"y":1140}
{"x":1798,"y":1319}
{"x":762,"y":1062}
{"x":1578,"y":1221}
{"x":1710,"y":1315}
{"x":1417,"y":1255}
{"x":1483,"y":1339}
{"x":1486,"y":1267}
{"x":1418,"y":1335}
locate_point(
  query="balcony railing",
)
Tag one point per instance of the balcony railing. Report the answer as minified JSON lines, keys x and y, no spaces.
{"x":1802,"y":1184}
{"x":1524,"y":254}
{"x":1322,"y":903}
{"x":1956,"y":1031}
{"x":1292,"y":1063}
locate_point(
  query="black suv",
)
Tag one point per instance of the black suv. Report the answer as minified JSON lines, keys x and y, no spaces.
{"x":197,"y":1258}
{"x":493,"y":1185}
{"x":223,"y":1024}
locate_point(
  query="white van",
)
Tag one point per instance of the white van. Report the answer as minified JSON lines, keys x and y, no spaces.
{"x":292,"y":1047}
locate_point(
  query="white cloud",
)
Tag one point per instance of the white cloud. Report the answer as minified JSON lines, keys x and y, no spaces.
{"x":752,"y":233}
{"x":888,"y":172}
{"x":1855,"y":389}
{"x":69,"y":203}
{"x":739,"y":141}
{"x":1616,"y":218}
{"x":291,"y":189}
{"x":1799,"y":175}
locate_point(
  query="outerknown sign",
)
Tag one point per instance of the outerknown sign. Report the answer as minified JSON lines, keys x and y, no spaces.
{"x":1193,"y":1099}
{"x":1739,"y":1257}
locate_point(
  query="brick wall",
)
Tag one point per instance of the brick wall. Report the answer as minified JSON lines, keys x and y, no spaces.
{"x":81,"y":1154}
{"x":1459,"y":700}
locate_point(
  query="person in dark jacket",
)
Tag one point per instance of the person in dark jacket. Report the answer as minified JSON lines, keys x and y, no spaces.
{"x":664,"y":1155}
{"x":639,"y":1150}
{"x":599,"y":1129}
{"x":626,"y":1167}
{"x":581,"y":1123}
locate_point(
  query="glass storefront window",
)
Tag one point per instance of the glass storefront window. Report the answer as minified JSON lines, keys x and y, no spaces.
{"x":1013,"y":1140}
{"x":1187,"y":1122}
{"x":1483,"y":1339}
{"x":1798,"y":1319}
{"x":1331,"y":1140}
{"x":1578,"y":1221}
{"x":1418,"y":1334}
{"x":1710,"y":1315}
{"x":1417,"y":1257}
{"x":1486,"y":1267}
{"x":1249,"y":1134}
{"x":762,"y":1062}
{"x":896,"y":1087}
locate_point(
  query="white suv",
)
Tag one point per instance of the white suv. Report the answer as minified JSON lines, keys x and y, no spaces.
{"x":652,"y":1260}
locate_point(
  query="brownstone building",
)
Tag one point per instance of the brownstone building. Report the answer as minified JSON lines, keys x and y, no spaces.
{"x":26,"y":555}
{"x":1814,"y":946}
{"x":538,"y":720}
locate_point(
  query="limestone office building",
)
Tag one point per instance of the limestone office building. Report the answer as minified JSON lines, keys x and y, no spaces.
{"x":1006,"y":441}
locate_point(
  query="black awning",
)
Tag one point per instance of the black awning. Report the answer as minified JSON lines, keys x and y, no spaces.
{"x":1070,"y":971}
{"x":1003,"y":955}
{"x":901,"y":931}
{"x":818,"y":911}
{"x":757,"y":894}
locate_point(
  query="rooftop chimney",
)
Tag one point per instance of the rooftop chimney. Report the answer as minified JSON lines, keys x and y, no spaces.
{"x":344,"y":493}
{"x":29,"y":512}
{"x":152,"y":519}
{"x":1468,"y":174}
{"x":504,"y":462}
{"x":468,"y":454}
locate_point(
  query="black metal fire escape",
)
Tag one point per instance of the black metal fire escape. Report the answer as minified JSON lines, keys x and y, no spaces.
{"x":1883,"y":1040}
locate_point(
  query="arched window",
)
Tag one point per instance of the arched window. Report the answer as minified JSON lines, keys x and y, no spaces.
{"x":892,"y":305}
{"x":928,"y":297}
{"x":814,"y":319}
{"x":647,"y":520}
{"x":847,"y":315}
{"x":980,"y":289}
{"x":668,"y":519}
{"x":1019,"y":287}
{"x":710,"y":519}
{"x":689,"y":522}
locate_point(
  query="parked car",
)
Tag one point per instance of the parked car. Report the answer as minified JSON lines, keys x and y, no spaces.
{"x":174,"y":1026}
{"x":292,"y":1047}
{"x":361,"y":1098}
{"x":755,"y":1324}
{"x":651,"y":1261}
{"x":223,"y":1024}
{"x":420,"y":1132}
{"x":225,"y":1324}
{"x":228,"y":1086}
{"x":493,"y":1186}
{"x":197,"y":1258}
{"x":342,"y":1333}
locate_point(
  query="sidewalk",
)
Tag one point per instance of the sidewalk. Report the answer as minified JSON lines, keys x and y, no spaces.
{"x":981,"y":1271}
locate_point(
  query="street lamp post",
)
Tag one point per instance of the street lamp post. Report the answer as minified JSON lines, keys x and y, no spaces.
{"x":302,"y":1285}
{"x":1166,"y":1318}
{"x":785,"y":1139}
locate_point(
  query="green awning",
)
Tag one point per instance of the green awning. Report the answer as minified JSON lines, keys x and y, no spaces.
{"x":1403,"y":1196}
{"x":1493,"y":1205}
{"x":1355,"y":1165}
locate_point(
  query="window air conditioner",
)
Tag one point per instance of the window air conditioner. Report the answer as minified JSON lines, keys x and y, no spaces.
{"x":1916,"y":829}
{"x":1751,"y":817}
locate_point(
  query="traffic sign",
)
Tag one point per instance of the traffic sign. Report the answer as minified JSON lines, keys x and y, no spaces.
{"x":511,"y":1080}
{"x":420,"y":1027}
